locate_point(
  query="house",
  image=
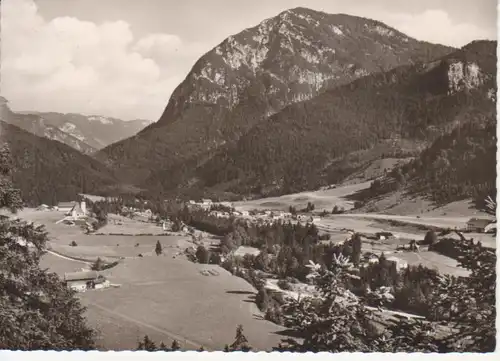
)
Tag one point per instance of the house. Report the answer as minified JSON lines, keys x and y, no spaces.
{"x":73,"y":209}
{"x":79,"y":209}
{"x":85,"y":280}
{"x":478,"y":224}
{"x":65,"y":206}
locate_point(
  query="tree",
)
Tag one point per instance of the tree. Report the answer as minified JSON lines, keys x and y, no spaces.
{"x":98,"y":265}
{"x":202,"y":254}
{"x":176,"y":225}
{"x":147,"y":344}
{"x":262,"y":299}
{"x":37,"y":310}
{"x":430,"y":238}
{"x":175,"y":346}
{"x":158,"y":248}
{"x":356,"y":249}
{"x":240,"y":343}
{"x":469,"y":302}
{"x":163,"y":347}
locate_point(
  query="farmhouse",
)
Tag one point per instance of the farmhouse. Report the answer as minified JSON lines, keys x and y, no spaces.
{"x":478,"y":224}
{"x":85,"y":280}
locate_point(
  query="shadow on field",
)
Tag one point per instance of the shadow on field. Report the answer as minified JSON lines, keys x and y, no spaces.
{"x":288,"y":333}
{"x":240,"y":292}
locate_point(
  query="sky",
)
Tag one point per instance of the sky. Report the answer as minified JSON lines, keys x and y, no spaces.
{"x":124,"y":58}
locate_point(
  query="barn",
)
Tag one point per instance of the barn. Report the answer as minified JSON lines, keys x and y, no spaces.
{"x":478,"y":224}
{"x":84,"y":280}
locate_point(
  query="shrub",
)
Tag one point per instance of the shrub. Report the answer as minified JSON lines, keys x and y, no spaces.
{"x":284,"y":285}
{"x":262,"y":299}
{"x":202,"y":254}
{"x":430,"y":238}
{"x":73,"y":244}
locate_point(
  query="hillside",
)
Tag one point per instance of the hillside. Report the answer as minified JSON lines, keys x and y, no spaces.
{"x":37,"y":125}
{"x":47,"y":171}
{"x":86,"y":134}
{"x":393,"y":114}
{"x":95,"y":130}
{"x":457,"y":166}
{"x":254,"y":74}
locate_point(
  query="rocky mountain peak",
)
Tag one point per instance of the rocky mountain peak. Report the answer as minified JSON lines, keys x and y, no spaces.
{"x":292,"y":57}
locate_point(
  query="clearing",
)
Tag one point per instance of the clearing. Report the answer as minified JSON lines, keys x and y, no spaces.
{"x":323,"y":199}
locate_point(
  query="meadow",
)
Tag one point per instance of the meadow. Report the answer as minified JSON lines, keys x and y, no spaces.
{"x":166,"y":297}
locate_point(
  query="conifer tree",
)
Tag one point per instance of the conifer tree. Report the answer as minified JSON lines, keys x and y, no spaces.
{"x":37,"y":310}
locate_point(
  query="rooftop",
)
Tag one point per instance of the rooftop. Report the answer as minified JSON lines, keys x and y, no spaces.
{"x":81,"y":276}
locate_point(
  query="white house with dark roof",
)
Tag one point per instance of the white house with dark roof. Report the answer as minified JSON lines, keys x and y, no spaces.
{"x":85,"y":280}
{"x":478,"y":224}
{"x":74,"y":209}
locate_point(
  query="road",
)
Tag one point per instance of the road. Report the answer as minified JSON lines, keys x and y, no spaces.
{"x":68,"y":258}
{"x":167,"y":333}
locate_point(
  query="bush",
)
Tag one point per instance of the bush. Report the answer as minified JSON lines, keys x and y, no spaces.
{"x":215,"y":258}
{"x":430,"y":238}
{"x":202,"y":254}
{"x":73,"y":244}
{"x":284,"y":285}
{"x":262,"y":299}
{"x":98,"y":265}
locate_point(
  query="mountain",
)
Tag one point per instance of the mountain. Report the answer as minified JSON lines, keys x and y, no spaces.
{"x":86,"y":134}
{"x":252,"y":75}
{"x":95,"y":130}
{"x":304,"y":145}
{"x":47,"y":171}
{"x":37,"y":125}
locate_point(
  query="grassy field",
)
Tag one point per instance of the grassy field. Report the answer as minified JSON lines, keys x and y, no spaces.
{"x":122,"y":225}
{"x":165,"y":297}
{"x":432,"y":260}
{"x":93,"y":246}
{"x":322,"y":199}
{"x":161,"y":295}
{"x":60,"y":265}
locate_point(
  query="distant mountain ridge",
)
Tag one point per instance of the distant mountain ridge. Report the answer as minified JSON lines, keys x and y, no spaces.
{"x":96,"y":130}
{"x":37,"y":125}
{"x":252,"y":75}
{"x":86,"y":134}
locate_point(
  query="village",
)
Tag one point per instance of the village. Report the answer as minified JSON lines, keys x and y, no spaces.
{"x":392,"y":244}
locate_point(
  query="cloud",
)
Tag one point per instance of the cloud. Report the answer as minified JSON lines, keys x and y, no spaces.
{"x":69,"y":65}
{"x":435,"y":26}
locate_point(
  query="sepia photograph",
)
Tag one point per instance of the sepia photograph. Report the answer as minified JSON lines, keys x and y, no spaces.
{"x":254,"y":176}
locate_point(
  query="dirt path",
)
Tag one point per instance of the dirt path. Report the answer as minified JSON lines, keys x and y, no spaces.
{"x":68,"y":258}
{"x":154,"y":328}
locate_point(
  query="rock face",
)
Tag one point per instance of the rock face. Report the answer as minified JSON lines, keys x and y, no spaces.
{"x":293,"y":57}
{"x":95,"y":130}
{"x":37,"y":125}
{"x":254,"y":74}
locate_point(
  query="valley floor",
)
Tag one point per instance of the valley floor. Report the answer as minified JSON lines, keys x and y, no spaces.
{"x":168,"y":297}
